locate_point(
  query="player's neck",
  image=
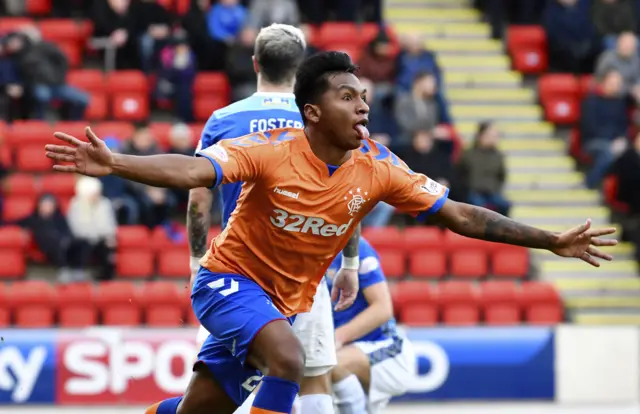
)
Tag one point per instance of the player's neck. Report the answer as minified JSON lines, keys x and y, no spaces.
{"x":267,"y":87}
{"x":326,"y":153}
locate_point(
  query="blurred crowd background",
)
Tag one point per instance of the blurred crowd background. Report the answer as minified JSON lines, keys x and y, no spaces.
{"x":528,"y":108}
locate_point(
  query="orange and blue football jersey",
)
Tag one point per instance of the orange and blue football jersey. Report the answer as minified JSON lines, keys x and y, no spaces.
{"x":295,"y":213}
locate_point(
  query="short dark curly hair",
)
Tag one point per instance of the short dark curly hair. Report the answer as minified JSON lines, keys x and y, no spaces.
{"x":311,"y":77}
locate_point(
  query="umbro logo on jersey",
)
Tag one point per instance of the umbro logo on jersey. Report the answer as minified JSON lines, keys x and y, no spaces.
{"x":286,"y":193}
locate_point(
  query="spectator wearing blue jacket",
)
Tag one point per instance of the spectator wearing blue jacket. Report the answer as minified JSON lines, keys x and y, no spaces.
{"x":604,"y":124}
{"x":571,"y":36}
{"x":413,"y":60}
{"x":226,"y":19}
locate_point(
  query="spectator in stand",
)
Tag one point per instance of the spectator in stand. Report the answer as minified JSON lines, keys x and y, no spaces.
{"x":571,"y":36}
{"x":414,"y":59}
{"x":627,"y":170}
{"x":115,"y":189}
{"x":430,"y":155}
{"x":153,"y":31}
{"x":14,"y":101}
{"x":225,"y":20}
{"x":264,"y":12}
{"x":378,"y":64}
{"x":43,"y":67}
{"x":181,"y":139}
{"x":626,"y":61}
{"x":209,"y":52}
{"x":603,"y":125}
{"x":53,"y":237}
{"x":177,"y":74}
{"x":92,"y":220}
{"x":114,"y":26}
{"x":613,"y":17}
{"x":239,"y":68}
{"x":482,"y":170}
{"x":424,"y":109}
{"x":156,"y":204}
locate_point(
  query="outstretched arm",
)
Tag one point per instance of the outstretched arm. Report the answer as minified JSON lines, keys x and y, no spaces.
{"x":199,"y":220}
{"x":167,"y":170}
{"x":480,"y":223}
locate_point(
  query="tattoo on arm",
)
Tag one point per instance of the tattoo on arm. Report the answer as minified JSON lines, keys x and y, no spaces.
{"x":198,"y":223}
{"x":351,"y":249}
{"x":481,"y":223}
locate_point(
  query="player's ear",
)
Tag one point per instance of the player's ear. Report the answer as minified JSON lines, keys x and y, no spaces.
{"x":256,"y":68}
{"x":312,"y":113}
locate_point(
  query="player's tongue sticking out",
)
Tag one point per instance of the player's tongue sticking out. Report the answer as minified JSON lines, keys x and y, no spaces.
{"x":362,"y":131}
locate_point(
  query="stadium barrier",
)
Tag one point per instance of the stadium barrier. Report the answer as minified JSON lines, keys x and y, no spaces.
{"x":105,"y":366}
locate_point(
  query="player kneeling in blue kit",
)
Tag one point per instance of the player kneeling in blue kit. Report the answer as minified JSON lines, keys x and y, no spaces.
{"x":374,"y":357}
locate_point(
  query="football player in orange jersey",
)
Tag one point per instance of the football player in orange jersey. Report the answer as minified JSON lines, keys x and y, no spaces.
{"x":304,"y":192}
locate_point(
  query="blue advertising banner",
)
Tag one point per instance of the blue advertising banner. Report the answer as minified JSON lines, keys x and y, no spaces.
{"x":483,"y":364}
{"x":27,"y":367}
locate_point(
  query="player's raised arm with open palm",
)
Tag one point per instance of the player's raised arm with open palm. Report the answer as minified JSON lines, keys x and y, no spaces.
{"x":93,"y":158}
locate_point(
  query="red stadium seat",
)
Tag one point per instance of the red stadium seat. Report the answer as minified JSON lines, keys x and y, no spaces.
{"x":75,"y":128}
{"x":510,"y":262}
{"x":393,"y":263}
{"x":500,"y":302}
{"x":561,"y":111}
{"x":587,"y":83}
{"x":559,"y":95}
{"x":388,"y":238}
{"x":133,"y":237}
{"x":13,"y":263}
{"x":174,"y":263}
{"x":160,"y":131}
{"x":6,"y":157}
{"x":575,"y":147}
{"x":134,"y":263}
{"x":459,"y":303}
{"x":469,"y":264}
{"x":541,"y":302}
{"x":419,"y":315}
{"x":18,"y":207}
{"x":5,"y":308}
{"x":412,"y":292}
{"x":98,"y":108}
{"x":60,"y":185}
{"x":13,"y":237}
{"x":29,"y":132}
{"x":204,"y":106}
{"x":32,"y":158}
{"x":128,"y":81}
{"x":77,"y":308}
{"x":34,"y":303}
{"x":60,"y":30}
{"x":527,"y":46}
{"x":130,"y":106}
{"x":120,"y":130}
{"x":20,"y":184}
{"x":38,"y":7}
{"x":73,"y":52}
{"x":91,"y":80}
{"x":161,"y":241}
{"x":212,"y":83}
{"x":454,"y":242}
{"x":332,"y":33}
{"x":163,"y":304}
{"x":422,"y":238}
{"x":428,"y":264}
{"x":182,"y":6}
{"x":213,"y":233}
{"x":11,"y":24}
{"x":119,"y":303}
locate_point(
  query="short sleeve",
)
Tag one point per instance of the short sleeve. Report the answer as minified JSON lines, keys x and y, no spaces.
{"x":240,"y":159}
{"x":413,"y":193}
{"x":214,"y":130}
{"x":370,"y":271}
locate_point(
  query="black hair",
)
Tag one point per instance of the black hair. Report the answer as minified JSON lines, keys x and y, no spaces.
{"x":312,"y":76}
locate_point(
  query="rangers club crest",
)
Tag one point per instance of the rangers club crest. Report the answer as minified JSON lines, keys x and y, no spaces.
{"x":357,"y":200}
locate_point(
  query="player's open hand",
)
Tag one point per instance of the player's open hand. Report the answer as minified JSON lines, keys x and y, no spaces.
{"x":582,"y":242}
{"x":345,"y":288}
{"x":91,"y":158}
